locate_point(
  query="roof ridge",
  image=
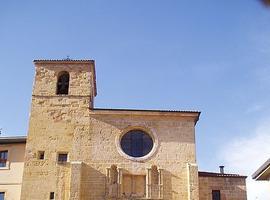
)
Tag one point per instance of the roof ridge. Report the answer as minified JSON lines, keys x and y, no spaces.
{"x":151,"y":110}
{"x":63,"y":60}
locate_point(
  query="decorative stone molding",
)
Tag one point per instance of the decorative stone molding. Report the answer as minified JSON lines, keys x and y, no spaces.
{"x":154,"y":190}
{"x":113,"y":182}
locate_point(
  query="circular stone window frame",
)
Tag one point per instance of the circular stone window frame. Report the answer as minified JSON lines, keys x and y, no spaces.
{"x":148,"y":131}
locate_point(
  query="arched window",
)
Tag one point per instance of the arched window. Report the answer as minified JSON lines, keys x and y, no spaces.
{"x":63,"y":83}
{"x":136,"y":143}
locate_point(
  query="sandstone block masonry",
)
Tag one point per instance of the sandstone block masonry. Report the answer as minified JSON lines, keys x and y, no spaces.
{"x":81,"y":146}
{"x":230,"y":186}
{"x":69,"y":124}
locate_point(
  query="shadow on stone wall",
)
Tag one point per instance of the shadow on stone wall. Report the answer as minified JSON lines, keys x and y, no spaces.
{"x":167,"y":185}
{"x":93,"y":183}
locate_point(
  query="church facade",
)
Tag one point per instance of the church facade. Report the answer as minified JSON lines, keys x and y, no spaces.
{"x":79,"y":152}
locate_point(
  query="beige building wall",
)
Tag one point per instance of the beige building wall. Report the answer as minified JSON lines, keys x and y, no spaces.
{"x":11,"y":175}
{"x":174,"y":136}
{"x":232,"y":187}
{"x":97,"y":168}
{"x":68,"y":123}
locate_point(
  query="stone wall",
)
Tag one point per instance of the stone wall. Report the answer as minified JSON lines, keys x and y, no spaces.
{"x":176,"y":148}
{"x":55,"y":123}
{"x":67,"y":123}
{"x":231,"y":188}
{"x":82,"y":77}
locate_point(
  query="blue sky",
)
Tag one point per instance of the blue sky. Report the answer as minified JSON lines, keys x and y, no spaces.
{"x":212,"y":56}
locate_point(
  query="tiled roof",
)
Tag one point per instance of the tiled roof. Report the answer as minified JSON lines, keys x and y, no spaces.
{"x":212,"y":174}
{"x":13,"y":139}
{"x":147,"y":110}
{"x":68,"y":60}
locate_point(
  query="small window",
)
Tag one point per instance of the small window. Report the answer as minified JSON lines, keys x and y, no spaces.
{"x":3,"y":158}
{"x":62,"y":158}
{"x":41,"y":155}
{"x":51,"y":195}
{"x":2,"y":195}
{"x":215,"y":194}
{"x":63,"y":83}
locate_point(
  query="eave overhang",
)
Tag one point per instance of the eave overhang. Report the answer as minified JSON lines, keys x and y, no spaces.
{"x":213,"y":174}
{"x":13,"y":140}
{"x":263,"y":173}
{"x":138,"y":112}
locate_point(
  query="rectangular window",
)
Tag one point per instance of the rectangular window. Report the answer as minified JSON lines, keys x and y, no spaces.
{"x":62,"y":158}
{"x":51,"y":195}
{"x":2,"y":195}
{"x":41,"y":155}
{"x":216,"y":195}
{"x":3,"y":158}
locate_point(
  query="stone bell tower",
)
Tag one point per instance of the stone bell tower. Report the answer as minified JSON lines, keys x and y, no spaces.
{"x":63,"y":93}
{"x":65,"y":79}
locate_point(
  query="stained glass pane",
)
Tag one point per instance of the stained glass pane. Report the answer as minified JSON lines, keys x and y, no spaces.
{"x":136,"y":143}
